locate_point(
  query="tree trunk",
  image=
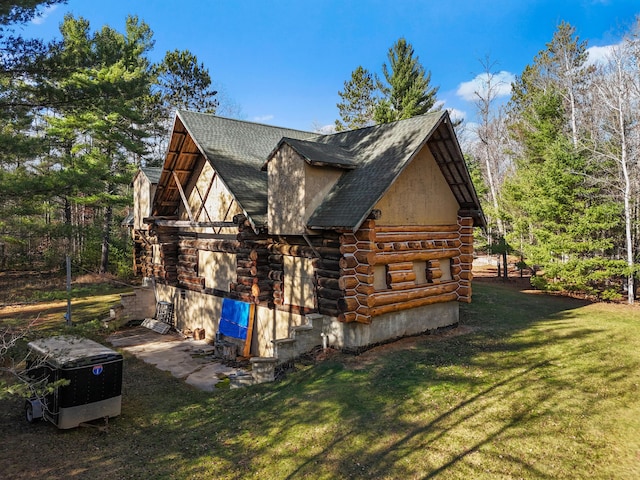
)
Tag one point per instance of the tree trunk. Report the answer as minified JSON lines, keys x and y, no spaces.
{"x":106,"y":239}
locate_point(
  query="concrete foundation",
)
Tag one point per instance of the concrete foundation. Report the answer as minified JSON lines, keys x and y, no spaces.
{"x":285,"y":336}
{"x":356,"y":336}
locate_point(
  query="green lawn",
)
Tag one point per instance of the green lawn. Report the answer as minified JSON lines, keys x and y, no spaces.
{"x":538,"y":387}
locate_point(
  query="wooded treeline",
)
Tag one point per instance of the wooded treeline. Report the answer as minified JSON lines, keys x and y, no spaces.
{"x":78,"y":115}
{"x":557,"y":167}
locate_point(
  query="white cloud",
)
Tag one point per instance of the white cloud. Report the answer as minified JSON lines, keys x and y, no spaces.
{"x":325,"y":129}
{"x":599,"y":55}
{"x":501,"y":81}
{"x":262,"y":118}
{"x":456,"y":114}
{"x":39,"y":20}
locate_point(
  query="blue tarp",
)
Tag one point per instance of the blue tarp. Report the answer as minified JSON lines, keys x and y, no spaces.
{"x":234,"y":319}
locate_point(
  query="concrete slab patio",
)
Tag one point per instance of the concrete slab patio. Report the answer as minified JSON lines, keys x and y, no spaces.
{"x":188,"y":359}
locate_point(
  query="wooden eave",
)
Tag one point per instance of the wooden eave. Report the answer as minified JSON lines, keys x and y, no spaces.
{"x":447,"y":153}
{"x":182,"y":156}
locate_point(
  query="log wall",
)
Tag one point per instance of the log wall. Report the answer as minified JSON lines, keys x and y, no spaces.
{"x":324,"y":250}
{"x":396,"y":252}
{"x":345,"y":266}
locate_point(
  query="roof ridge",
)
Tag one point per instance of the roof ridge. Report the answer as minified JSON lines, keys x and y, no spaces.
{"x":384,"y":125}
{"x":246,"y":122}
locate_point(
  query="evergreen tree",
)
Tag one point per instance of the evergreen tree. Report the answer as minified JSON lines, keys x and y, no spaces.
{"x":101,"y":132}
{"x":358,"y":101}
{"x":562,"y":220}
{"x":183,"y":83}
{"x":180,"y":82}
{"x":408,"y":90}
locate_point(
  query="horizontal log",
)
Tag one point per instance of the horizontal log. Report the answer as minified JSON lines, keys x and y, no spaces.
{"x":326,"y":263}
{"x":464,"y":220}
{"x":331,"y":293}
{"x":365,"y":234}
{"x":403,"y":296}
{"x":347,"y":282}
{"x":464,"y":291}
{"x":333,"y":283}
{"x":380,"y":229}
{"x":407,"y":285}
{"x":400,"y":266}
{"x":416,"y":237}
{"x":347,"y":239}
{"x":348,"y":261}
{"x":466,"y":258}
{"x":275,"y":258}
{"x":260,"y":271}
{"x":419,"y":302}
{"x":466,"y":275}
{"x":186,"y":271}
{"x":219,"y":246}
{"x":400,"y":277}
{"x":245,"y":272}
{"x":188,"y":265}
{"x":466,"y":249}
{"x":364,"y":278}
{"x":238,"y":287}
{"x":364,"y":270}
{"x":365,"y":289}
{"x":348,"y":248}
{"x":247,"y":280}
{"x":327,"y":303}
{"x":348,"y":304}
{"x":191,"y":280}
{"x":327,"y":273}
{"x":387,"y":258}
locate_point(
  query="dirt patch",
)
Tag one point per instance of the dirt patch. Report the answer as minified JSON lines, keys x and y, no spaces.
{"x":366,"y":358}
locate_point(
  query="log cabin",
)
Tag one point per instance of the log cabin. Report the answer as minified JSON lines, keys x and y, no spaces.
{"x":345,"y":240}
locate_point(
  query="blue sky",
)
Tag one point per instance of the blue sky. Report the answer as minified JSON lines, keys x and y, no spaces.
{"x":282,"y":62}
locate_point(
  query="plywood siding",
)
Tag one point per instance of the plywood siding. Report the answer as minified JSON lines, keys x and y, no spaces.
{"x":420,"y":196}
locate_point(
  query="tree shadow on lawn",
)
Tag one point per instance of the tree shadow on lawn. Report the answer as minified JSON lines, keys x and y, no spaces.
{"x":457,"y":405}
{"x":426,"y":410}
{"x":499,"y":384}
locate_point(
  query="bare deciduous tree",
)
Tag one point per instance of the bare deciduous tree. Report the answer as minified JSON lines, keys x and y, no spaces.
{"x":615,"y":112}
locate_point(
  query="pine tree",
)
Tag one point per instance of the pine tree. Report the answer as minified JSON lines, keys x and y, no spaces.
{"x":408,"y":90}
{"x":358,"y":101}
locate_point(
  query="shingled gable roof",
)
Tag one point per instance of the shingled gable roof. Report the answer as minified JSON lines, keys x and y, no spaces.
{"x":318,"y":154}
{"x":380,"y":154}
{"x":237,"y":150}
{"x":152,"y":173}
